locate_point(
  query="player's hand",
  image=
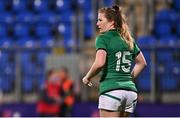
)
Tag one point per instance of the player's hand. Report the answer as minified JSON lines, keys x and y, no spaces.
{"x":87,"y":81}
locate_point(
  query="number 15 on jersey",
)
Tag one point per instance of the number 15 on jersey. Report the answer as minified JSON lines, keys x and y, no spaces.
{"x":123,"y":63}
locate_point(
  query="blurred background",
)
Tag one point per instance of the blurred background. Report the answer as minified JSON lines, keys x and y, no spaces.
{"x":40,"y":35}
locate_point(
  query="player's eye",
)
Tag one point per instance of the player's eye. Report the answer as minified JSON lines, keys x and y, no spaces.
{"x":99,"y":19}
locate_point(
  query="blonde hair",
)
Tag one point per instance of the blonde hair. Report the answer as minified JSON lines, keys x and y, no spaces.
{"x":120,"y":23}
{"x":126,"y":34}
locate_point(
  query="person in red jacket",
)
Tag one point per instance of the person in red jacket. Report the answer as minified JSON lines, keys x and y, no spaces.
{"x":50,"y":100}
{"x":67,"y":93}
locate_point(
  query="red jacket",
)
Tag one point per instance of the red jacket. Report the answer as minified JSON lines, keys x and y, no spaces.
{"x":47,"y":104}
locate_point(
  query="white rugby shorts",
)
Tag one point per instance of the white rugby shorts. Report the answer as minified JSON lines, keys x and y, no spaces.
{"x":118,"y":100}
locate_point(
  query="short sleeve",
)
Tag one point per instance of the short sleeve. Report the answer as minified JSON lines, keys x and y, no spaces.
{"x":100,"y":43}
{"x":136,"y":50}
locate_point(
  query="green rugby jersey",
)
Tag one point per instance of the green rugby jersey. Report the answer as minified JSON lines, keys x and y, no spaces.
{"x":116,"y":73}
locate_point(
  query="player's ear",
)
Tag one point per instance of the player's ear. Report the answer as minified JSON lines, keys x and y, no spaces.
{"x":112,"y":23}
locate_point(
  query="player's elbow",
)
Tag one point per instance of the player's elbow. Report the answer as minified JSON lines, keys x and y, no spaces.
{"x":143,"y":64}
{"x":140,"y":60}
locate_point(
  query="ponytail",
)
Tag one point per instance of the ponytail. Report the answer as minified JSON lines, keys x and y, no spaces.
{"x":123,"y":28}
{"x":126,"y":34}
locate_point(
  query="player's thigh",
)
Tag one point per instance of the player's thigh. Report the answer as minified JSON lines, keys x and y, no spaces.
{"x":107,"y":113}
{"x":124,"y":114}
{"x":109,"y":101}
{"x":131,"y":101}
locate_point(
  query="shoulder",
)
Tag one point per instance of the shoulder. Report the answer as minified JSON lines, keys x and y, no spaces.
{"x":100,"y":36}
{"x":103,"y":35}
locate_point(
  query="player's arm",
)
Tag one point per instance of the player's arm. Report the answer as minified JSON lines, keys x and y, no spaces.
{"x":98,"y":64}
{"x":140,"y":63}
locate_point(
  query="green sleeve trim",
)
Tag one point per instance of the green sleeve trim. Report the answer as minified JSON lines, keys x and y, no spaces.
{"x":137,"y":54}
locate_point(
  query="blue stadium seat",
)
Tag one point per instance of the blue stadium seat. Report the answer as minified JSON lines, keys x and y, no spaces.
{"x":166,"y":16}
{"x":6,"y":17}
{"x":41,"y":5}
{"x":88,"y":30}
{"x":25,"y":17}
{"x":3,"y":30}
{"x":174,"y":18}
{"x":65,"y":17}
{"x":88,"y":16}
{"x":169,"y":40}
{"x":144,"y":83}
{"x":2,"y":6}
{"x":47,"y":17}
{"x":19,"y":5}
{"x":7,"y":59}
{"x":160,"y":69}
{"x":165,"y":21}
{"x":146,"y":41}
{"x":8,"y":70}
{"x":163,"y":29}
{"x":108,"y":3}
{"x":65,"y":29}
{"x":11,"y":79}
{"x":41,"y":82}
{"x":46,"y":41}
{"x":85,"y":4}
{"x":169,"y":65}
{"x":176,"y":5}
{"x":21,"y":30}
{"x":62,"y":5}
{"x":27,"y":85}
{"x":174,"y":68}
{"x":5,"y":85}
{"x":3,"y":59}
{"x":31,"y":71}
{"x":41,"y":57}
{"x":164,"y":57}
{"x":26,"y":42}
{"x":168,"y":83}
{"x":6,"y":42}
{"x":88,"y":21}
{"x":30,"y":60}
{"x":25,"y":56}
{"x":43,"y":30}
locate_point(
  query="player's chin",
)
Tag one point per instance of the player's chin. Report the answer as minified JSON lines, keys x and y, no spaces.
{"x":99,"y":29}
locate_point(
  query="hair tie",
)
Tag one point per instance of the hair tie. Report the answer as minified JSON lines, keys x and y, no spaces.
{"x":116,"y":8}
